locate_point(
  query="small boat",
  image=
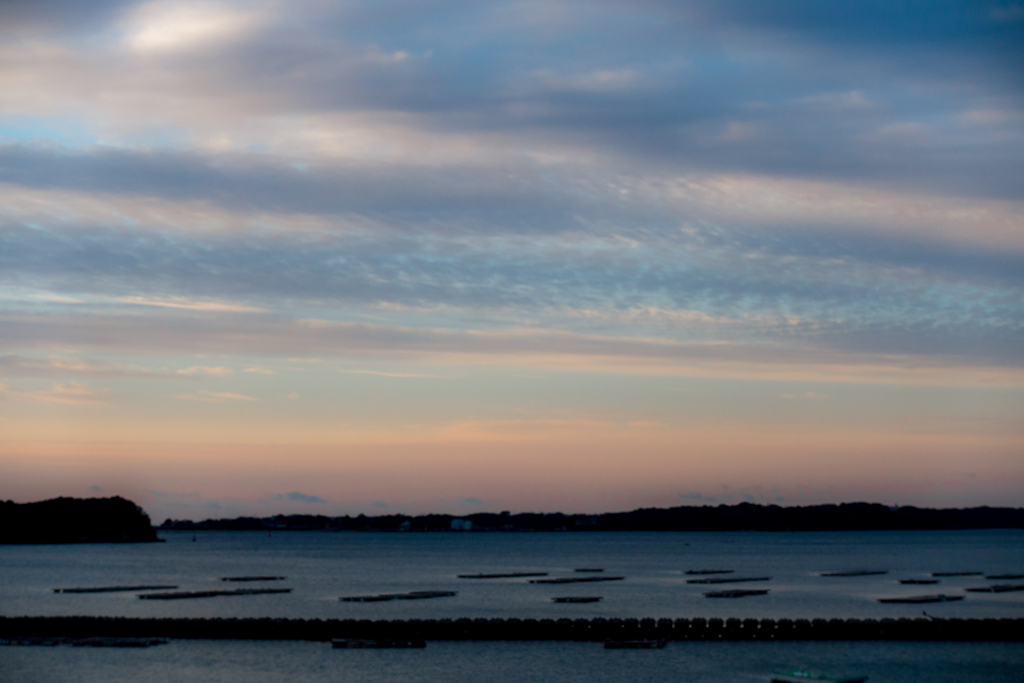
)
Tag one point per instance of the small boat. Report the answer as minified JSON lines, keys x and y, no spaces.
{"x":576,"y":599}
{"x":919,"y":581}
{"x":957,"y":573}
{"x":800,"y":676}
{"x":643,"y":644}
{"x":378,"y":643}
{"x":736,"y":593}
{"x":709,"y":571}
{"x":856,"y":572}
{"x":730,"y":580}
{"x":999,"y":588}
{"x":917,"y":599}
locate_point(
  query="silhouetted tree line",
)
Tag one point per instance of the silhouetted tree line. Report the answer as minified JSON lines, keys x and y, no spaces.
{"x":74,"y":520}
{"x":742,"y":517}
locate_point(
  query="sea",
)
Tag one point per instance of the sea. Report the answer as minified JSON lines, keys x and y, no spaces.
{"x":321,"y":567}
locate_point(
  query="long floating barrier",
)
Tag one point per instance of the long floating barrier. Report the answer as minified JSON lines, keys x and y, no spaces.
{"x":186,"y":595}
{"x":411,"y":595}
{"x":509,"y":575}
{"x":591,"y":630}
{"x":110,"y":589}
{"x":578,"y":579}
{"x":1005,"y":588}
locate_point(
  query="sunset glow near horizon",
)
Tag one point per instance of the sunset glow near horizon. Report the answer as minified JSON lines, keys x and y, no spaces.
{"x":407,"y":257}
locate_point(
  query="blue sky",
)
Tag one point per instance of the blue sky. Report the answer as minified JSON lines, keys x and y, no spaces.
{"x":789,"y":232}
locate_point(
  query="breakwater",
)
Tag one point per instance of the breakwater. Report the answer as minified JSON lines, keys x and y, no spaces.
{"x":594,"y":630}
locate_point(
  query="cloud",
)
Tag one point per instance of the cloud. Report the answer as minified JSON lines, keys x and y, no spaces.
{"x":14,"y":365}
{"x":189,"y":305}
{"x":205,"y":369}
{"x":698,"y":497}
{"x":911,"y":355}
{"x":72,"y":393}
{"x":215,"y":397}
{"x":298,"y":497}
{"x":95,"y":489}
{"x":176,"y":25}
{"x":389,"y":374}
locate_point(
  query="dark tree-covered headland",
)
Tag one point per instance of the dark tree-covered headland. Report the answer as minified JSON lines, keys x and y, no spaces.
{"x":742,"y":517}
{"x":75,"y":520}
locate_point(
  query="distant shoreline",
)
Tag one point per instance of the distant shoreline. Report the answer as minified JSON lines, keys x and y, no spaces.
{"x":593,"y":630}
{"x":742,"y":517}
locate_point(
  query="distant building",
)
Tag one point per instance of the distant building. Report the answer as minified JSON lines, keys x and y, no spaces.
{"x":405,"y":526}
{"x":462,"y":525}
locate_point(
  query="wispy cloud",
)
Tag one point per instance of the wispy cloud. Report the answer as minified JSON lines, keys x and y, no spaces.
{"x":190,"y":305}
{"x":13,"y":365}
{"x":205,"y":370}
{"x":297,"y":497}
{"x":72,"y":393}
{"x":388,"y":374}
{"x":215,"y":397}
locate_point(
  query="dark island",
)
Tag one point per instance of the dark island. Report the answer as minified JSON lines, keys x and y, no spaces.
{"x":75,"y":520}
{"x":742,"y":517}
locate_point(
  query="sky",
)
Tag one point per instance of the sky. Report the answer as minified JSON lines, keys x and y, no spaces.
{"x":263,"y":257}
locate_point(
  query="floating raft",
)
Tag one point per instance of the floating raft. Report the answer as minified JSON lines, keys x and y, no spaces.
{"x":916,"y":599}
{"x":588,"y":569}
{"x":644,"y":644}
{"x":1005,"y":576}
{"x":112,"y":589}
{"x":709,"y":571}
{"x":107,"y":641}
{"x":96,"y":641}
{"x":376,"y":643}
{"x":578,"y":579}
{"x":509,"y":575}
{"x":802,"y":676}
{"x":183,"y":595}
{"x":739,"y":579}
{"x":957,"y":573}
{"x":577,"y":599}
{"x":1003,"y":588}
{"x":253,"y":578}
{"x":858,"y":572}
{"x":411,"y":595}
{"x":919,"y":581}
{"x":735,"y":593}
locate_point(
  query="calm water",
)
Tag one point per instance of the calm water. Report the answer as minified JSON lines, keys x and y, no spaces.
{"x":195,"y":661}
{"x":323,"y":566}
